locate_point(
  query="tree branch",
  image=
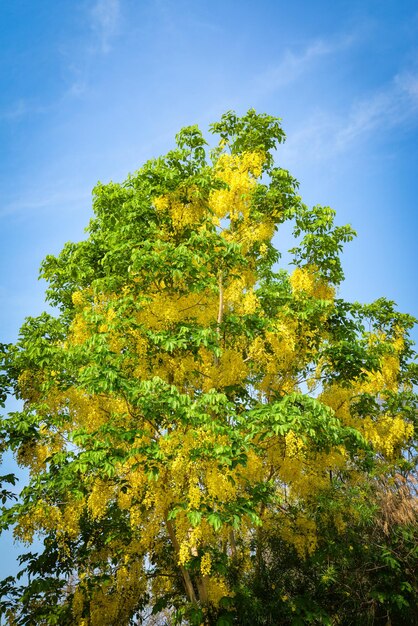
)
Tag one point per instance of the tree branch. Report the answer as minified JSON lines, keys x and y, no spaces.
{"x":188,"y":584}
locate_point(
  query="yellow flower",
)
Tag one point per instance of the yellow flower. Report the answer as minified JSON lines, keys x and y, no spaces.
{"x":206,"y":564}
{"x":77,"y":298}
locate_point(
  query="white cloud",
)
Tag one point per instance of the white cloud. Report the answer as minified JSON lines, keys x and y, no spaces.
{"x":330,"y":132}
{"x":294,"y":65}
{"x":49,"y":198}
{"x":105,"y":22}
{"x":22,"y":108}
{"x":16,"y":111}
{"x":104,"y":17}
{"x":407,"y":82}
{"x":393,"y":106}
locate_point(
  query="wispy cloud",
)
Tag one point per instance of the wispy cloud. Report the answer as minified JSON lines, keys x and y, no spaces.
{"x":104,"y":17}
{"x":78,"y":73}
{"x":21,"y":108}
{"x":409,"y":84}
{"x":392,"y":106}
{"x":293,"y":65}
{"x":105,"y":22}
{"x":15,"y":111}
{"x":330,"y":132}
{"x":45,"y":199}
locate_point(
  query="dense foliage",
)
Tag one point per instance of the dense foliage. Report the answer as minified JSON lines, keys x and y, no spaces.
{"x":210,"y":437}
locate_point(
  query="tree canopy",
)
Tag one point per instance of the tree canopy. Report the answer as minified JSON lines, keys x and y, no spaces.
{"x":212,"y":438}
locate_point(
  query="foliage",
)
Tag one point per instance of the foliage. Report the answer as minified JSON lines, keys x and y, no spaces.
{"x":211,"y":438}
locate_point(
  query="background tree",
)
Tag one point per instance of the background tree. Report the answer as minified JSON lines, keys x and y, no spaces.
{"x":210,"y":438}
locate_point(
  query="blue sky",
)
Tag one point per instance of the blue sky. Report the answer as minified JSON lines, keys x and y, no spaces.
{"x":90,"y":89}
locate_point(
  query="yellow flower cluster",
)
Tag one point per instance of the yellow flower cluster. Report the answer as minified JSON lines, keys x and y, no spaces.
{"x":77,"y":298}
{"x":28,"y":385}
{"x":111,"y":602}
{"x":230,"y":369}
{"x":79,"y":330}
{"x":217,"y":589}
{"x":388,"y":434}
{"x":184,"y":206}
{"x":70,"y":523}
{"x":194,"y":497}
{"x":275,"y":355}
{"x":219,"y":486}
{"x":124,"y":500}
{"x":165,"y":309}
{"x":238,"y":172}
{"x":302,"y":533}
{"x":192,"y":538}
{"x":33,"y":456}
{"x":100,"y":495}
{"x":78,"y":604}
{"x":294,"y":445}
{"x":42,"y":517}
{"x":206,"y":564}
{"x":307,"y":280}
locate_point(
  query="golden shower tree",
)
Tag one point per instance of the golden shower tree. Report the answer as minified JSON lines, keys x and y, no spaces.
{"x":191,"y":400}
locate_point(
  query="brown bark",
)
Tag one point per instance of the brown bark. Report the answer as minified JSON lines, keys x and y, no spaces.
{"x":220,"y":312}
{"x":188,"y":584}
{"x":221,"y":303}
{"x":233,"y":544}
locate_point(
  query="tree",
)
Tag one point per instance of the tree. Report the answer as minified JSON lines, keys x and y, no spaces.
{"x":211,"y":438}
